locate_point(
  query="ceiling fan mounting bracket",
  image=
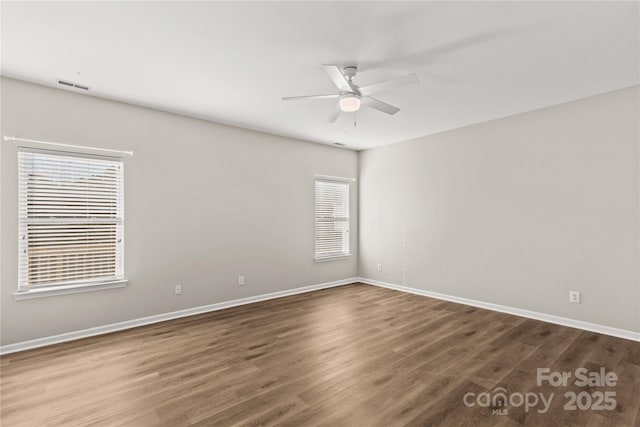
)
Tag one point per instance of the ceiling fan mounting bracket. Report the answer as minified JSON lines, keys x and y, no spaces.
{"x":350,"y":71}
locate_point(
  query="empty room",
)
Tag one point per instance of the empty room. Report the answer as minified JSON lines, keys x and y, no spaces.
{"x":354,"y":213}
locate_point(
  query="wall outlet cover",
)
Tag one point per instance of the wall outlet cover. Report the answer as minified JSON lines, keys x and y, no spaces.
{"x":574,"y":297}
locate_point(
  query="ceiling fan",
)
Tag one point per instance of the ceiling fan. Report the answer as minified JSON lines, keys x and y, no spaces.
{"x":352,"y":96}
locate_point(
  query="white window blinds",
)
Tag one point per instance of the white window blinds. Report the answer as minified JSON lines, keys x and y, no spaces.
{"x":71,"y":219}
{"x":332,"y":218}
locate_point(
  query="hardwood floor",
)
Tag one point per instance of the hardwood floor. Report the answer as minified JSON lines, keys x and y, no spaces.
{"x":355,"y":355}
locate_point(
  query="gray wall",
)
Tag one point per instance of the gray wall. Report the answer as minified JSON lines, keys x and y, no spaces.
{"x":516,"y":211}
{"x":204,"y":203}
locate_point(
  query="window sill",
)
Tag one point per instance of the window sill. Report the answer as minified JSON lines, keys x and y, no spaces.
{"x":332,"y":258}
{"x":68,"y":289}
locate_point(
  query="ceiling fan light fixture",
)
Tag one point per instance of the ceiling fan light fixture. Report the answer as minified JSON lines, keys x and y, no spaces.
{"x":349,"y":102}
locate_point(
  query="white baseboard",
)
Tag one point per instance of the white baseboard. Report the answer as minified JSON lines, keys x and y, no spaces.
{"x":606,"y":330}
{"x":99,"y":330}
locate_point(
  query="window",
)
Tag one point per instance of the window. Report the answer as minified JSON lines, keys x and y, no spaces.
{"x":332,"y":219}
{"x":71,"y":219}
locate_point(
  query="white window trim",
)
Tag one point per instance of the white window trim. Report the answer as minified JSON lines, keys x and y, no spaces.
{"x":78,"y":286}
{"x":340,"y":256}
{"x":333,"y":178}
{"x":332,"y":258}
{"x":68,"y":289}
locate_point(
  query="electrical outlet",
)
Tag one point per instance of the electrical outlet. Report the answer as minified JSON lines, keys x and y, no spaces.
{"x":574,"y":297}
{"x":240,"y":280}
{"x":379,"y":267}
{"x":178,"y":289}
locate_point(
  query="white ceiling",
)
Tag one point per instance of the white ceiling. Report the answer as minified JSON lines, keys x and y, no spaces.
{"x":232,"y":62}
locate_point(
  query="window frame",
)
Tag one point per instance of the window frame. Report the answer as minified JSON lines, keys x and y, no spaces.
{"x":346,"y":239}
{"x":118,"y":280}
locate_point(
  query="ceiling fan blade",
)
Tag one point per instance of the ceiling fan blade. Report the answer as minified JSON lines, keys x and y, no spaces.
{"x":388,"y":84}
{"x":334,"y":116}
{"x":299,"y":98}
{"x":379,"y":105}
{"x":338,"y":78}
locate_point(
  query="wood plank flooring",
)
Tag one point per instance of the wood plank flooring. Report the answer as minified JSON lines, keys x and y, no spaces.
{"x":355,"y":355}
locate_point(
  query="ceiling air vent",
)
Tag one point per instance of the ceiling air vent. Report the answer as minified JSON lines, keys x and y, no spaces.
{"x":72,"y":84}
